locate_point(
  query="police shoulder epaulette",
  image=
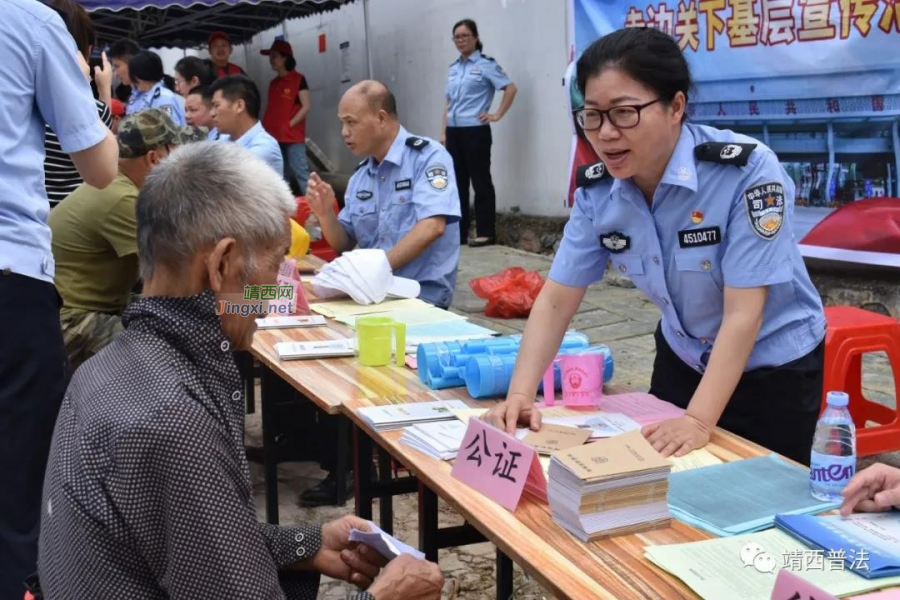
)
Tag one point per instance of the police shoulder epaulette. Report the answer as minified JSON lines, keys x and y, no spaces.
{"x":590,"y":174}
{"x":416,"y":143}
{"x":724,"y":153}
{"x":361,"y":163}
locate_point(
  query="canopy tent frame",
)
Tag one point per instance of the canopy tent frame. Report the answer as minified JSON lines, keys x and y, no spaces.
{"x":182,"y":24}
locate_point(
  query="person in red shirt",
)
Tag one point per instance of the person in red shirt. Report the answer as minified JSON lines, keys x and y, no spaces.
{"x":285,"y":117}
{"x":220,"y":52}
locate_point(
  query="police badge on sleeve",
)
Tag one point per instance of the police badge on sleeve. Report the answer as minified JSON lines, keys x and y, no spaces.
{"x":437,"y":177}
{"x":765,"y":208}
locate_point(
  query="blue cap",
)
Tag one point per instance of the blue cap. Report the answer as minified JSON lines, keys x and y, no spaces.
{"x":837,"y":399}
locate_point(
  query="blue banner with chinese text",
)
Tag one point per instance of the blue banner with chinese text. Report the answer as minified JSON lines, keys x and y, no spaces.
{"x":732,"y":40}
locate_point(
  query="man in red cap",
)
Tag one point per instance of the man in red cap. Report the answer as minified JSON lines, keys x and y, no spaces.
{"x":285,"y":117}
{"x":220,"y":52}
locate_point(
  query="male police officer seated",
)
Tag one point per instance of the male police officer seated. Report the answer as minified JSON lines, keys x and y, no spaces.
{"x":402,"y":198}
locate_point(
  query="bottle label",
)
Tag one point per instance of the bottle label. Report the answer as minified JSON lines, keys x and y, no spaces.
{"x":831,"y":472}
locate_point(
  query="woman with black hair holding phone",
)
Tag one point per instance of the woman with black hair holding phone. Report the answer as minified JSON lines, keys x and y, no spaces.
{"x":60,"y":175}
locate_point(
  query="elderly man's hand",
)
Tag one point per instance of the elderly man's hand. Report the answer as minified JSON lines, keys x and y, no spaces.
{"x":406,"y":577}
{"x":339,"y":558}
{"x":319,"y":196}
{"x":874,"y":489}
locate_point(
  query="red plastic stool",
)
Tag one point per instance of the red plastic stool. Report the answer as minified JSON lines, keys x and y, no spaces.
{"x":851,"y":333}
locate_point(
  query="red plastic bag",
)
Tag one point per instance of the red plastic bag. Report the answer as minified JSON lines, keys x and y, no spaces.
{"x":510,"y":293}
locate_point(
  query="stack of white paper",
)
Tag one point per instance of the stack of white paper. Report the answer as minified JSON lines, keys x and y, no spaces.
{"x":396,"y":416}
{"x":616,"y":486}
{"x":440,"y":440}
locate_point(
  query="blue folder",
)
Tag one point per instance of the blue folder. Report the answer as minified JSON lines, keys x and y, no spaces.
{"x":838,"y":535}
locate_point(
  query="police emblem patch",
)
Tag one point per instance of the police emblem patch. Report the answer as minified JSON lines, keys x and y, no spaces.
{"x":730,"y":151}
{"x":595,"y":171}
{"x":437,"y":177}
{"x":615,"y":241}
{"x":363,"y":194}
{"x":765,"y":208}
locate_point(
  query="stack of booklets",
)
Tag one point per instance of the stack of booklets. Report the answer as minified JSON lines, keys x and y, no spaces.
{"x":440,"y":440}
{"x":396,"y":416}
{"x":616,"y":486}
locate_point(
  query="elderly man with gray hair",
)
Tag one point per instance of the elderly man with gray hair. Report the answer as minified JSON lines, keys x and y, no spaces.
{"x":147,"y":492}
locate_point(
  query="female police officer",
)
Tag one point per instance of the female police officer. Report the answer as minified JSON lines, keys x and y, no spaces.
{"x":145,"y":69}
{"x":700,"y":220}
{"x":471,"y":83}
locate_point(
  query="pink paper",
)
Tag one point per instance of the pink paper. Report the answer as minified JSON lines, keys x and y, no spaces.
{"x":498,"y":465}
{"x":645,"y":409}
{"x":789,"y":586}
{"x":288,"y":276}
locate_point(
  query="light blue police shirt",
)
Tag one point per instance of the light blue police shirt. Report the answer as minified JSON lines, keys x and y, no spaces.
{"x":714,"y":222}
{"x":471,"y":84}
{"x":159,"y":96}
{"x":384,"y":201}
{"x":258,"y":141}
{"x":41,"y":82}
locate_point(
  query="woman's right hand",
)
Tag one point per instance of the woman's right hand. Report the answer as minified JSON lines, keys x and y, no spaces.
{"x":103,"y":75}
{"x":516,"y":409}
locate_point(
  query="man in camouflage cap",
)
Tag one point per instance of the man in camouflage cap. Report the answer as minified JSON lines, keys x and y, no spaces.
{"x":95,"y":235}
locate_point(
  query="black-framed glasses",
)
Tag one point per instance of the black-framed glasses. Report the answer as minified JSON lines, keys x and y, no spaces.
{"x":622,"y":117}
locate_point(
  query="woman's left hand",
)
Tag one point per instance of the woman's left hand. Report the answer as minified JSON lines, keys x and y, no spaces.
{"x":677,"y":436}
{"x":488,"y":118}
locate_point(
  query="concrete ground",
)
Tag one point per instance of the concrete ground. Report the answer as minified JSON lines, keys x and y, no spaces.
{"x":613,"y":313}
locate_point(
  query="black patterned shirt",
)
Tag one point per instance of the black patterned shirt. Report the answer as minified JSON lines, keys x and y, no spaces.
{"x":148,"y":493}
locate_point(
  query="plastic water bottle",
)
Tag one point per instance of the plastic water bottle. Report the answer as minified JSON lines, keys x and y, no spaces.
{"x":833,"y":460}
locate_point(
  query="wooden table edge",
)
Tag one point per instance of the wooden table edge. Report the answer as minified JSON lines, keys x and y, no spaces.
{"x":496,"y":539}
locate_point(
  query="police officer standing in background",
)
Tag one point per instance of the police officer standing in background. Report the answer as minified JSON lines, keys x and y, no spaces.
{"x":145,"y":69}
{"x":402,"y":199}
{"x":50,"y":79}
{"x":701,"y":221}
{"x":466,"y":130}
